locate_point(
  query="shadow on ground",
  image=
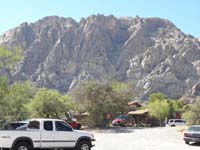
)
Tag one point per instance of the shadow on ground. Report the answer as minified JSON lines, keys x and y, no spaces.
{"x":117,"y":130}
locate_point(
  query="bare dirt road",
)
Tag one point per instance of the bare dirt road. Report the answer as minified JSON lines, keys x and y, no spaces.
{"x":166,"y":138}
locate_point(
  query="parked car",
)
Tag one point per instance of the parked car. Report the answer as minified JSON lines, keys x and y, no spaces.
{"x":123,"y":120}
{"x":46,"y":133}
{"x":74,"y":123}
{"x":192,"y":134}
{"x":176,"y":122}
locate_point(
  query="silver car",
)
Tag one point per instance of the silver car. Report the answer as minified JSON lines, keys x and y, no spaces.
{"x":192,"y":134}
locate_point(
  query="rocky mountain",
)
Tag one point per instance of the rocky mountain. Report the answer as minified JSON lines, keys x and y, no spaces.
{"x":152,"y":53}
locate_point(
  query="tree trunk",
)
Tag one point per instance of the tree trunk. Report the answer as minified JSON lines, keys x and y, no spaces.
{"x":160,"y":121}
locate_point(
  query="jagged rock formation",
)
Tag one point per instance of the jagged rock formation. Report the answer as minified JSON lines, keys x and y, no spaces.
{"x":150,"y":52}
{"x":196,"y":90}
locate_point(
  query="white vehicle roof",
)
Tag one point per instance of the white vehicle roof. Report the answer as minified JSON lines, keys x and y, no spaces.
{"x":45,"y":119}
{"x":195,"y":126}
{"x":176,"y":119}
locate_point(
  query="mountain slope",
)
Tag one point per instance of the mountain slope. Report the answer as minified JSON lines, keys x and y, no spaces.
{"x":150,"y":52}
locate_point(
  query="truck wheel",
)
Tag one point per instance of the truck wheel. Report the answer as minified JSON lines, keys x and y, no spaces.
{"x":23,"y":146}
{"x":84,"y":145}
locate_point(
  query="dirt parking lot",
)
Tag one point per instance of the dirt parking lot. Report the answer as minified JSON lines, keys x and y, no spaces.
{"x":166,"y":138}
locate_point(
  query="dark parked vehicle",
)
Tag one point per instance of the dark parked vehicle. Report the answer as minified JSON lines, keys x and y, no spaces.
{"x":123,"y":120}
{"x":192,"y":134}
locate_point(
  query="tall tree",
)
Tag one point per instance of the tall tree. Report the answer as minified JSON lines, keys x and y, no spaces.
{"x":8,"y":58}
{"x":158,"y":106}
{"x":192,"y":115}
{"x":17,"y":99}
{"x":100,"y":99}
{"x":4,"y":88}
{"x":50,"y":104}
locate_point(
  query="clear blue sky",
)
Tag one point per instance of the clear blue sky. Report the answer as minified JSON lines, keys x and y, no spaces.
{"x":185,"y":14}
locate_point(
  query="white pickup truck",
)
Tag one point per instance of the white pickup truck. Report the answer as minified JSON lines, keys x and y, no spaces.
{"x":46,"y":133}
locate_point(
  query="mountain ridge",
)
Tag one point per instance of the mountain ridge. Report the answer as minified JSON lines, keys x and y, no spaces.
{"x":152,"y":53}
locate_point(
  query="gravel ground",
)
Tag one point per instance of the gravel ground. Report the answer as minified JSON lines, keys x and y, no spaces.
{"x":166,"y":138}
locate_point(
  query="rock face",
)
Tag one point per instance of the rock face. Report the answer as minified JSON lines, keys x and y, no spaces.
{"x":152,"y":53}
{"x":196,"y":90}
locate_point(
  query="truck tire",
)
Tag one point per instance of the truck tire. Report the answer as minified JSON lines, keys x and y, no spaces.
{"x":23,"y":146}
{"x":84,"y":145}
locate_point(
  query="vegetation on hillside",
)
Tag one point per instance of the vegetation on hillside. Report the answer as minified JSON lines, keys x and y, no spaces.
{"x":8,"y":58}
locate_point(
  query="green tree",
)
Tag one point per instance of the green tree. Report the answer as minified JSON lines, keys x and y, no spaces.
{"x":14,"y":100}
{"x":157,"y":97}
{"x":158,"y":106}
{"x":100,"y":99}
{"x":50,"y":104}
{"x":122,"y":94}
{"x":192,"y":115}
{"x":175,"y":106}
{"x":4,"y":88}
{"x":18,"y":97}
{"x":9,"y":57}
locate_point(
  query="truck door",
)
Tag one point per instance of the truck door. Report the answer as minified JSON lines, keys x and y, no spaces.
{"x":64,"y":135}
{"x":34,"y":132}
{"x":47,"y":135}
